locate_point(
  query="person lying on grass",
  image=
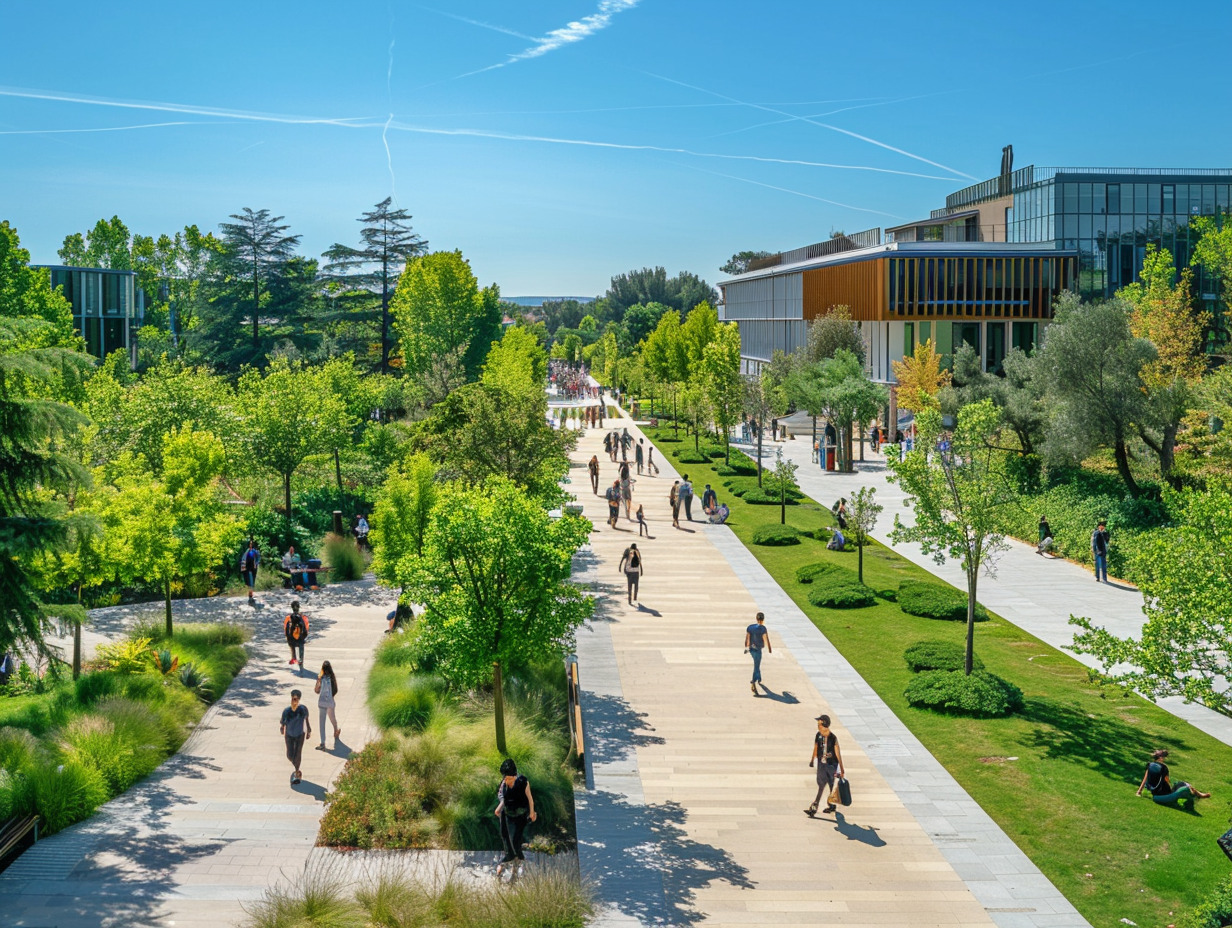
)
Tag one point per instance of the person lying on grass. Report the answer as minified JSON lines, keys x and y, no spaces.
{"x":1162,"y":790}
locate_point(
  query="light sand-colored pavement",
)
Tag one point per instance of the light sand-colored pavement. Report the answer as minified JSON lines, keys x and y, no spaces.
{"x":219,"y":821}
{"x":694,"y":808}
{"x":1038,"y":594}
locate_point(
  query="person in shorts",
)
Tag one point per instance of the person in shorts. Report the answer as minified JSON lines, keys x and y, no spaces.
{"x":829,"y":761}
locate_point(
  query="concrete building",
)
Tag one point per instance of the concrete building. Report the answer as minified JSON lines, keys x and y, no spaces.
{"x":108,"y":307}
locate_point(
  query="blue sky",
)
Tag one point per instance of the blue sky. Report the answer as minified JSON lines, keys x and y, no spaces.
{"x":555,"y":155}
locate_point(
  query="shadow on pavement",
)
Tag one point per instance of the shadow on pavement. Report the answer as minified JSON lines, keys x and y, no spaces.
{"x":784,"y":697}
{"x":865,"y":834}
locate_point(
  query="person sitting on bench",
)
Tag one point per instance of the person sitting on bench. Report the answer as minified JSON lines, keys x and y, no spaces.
{"x":293,"y":566}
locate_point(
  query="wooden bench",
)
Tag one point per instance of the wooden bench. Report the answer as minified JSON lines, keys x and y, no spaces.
{"x":14,"y":831}
{"x":310,"y":571}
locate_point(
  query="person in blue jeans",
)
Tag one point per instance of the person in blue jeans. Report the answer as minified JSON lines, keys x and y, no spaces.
{"x":1099,"y":551}
{"x":1163,"y":790}
{"x":756,"y":637}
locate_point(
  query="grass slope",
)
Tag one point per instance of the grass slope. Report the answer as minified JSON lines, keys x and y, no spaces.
{"x":1068,"y":799}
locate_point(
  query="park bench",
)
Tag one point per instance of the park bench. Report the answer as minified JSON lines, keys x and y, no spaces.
{"x":13,"y":832}
{"x":304,"y":569}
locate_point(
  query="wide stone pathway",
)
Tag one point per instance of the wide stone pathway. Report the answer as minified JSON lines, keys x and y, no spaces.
{"x":1038,"y":594}
{"x":219,"y":821}
{"x":693,"y":812}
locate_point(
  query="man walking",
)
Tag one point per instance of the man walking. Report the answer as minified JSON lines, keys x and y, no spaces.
{"x":249,"y":563}
{"x":651,"y":466}
{"x":613,"y":503}
{"x":638,"y":456}
{"x":593,"y":467}
{"x":1099,"y":551}
{"x":756,"y":637}
{"x":686,"y":497}
{"x":295,"y":627}
{"x":295,"y":728}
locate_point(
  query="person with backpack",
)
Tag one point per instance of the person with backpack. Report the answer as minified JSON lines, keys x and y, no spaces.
{"x":631,"y":566}
{"x":1161,"y":788}
{"x":250,"y":560}
{"x":515,"y":808}
{"x":1045,"y":536}
{"x":1099,"y":551}
{"x":326,"y":689}
{"x":613,"y":503}
{"x":295,"y":627}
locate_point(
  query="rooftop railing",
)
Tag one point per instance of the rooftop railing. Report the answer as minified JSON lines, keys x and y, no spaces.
{"x":869,"y":238}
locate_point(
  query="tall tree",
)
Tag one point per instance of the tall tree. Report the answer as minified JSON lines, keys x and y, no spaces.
{"x":666,"y":359}
{"x":257,"y":248}
{"x":724,"y":386}
{"x":740,"y":261}
{"x":1093,"y":367}
{"x":652,"y":285}
{"x":763,"y":400}
{"x":838,"y":389}
{"x":401,"y":515}
{"x":494,"y":582}
{"x":1020,"y":394}
{"x":956,"y":486}
{"x":920,"y":378}
{"x":828,"y":334}
{"x":438,"y":307}
{"x":106,"y":245}
{"x":366,"y":277}
{"x":864,"y":512}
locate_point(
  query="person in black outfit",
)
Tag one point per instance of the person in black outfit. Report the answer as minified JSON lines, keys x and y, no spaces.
{"x":515,"y":807}
{"x":1161,"y":788}
{"x":829,"y":760}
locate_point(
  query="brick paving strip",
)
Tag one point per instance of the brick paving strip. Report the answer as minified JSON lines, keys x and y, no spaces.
{"x":219,"y":821}
{"x":693,"y":812}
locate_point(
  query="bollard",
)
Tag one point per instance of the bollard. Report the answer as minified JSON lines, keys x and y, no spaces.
{"x":338,"y":522}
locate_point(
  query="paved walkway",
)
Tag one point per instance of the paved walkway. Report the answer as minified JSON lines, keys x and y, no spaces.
{"x":693,"y":811}
{"x":219,"y":821}
{"x":1038,"y":594}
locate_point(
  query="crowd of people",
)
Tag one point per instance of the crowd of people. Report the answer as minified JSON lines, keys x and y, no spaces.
{"x":571,"y":381}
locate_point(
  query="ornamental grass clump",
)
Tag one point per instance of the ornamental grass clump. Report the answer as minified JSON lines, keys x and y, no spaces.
{"x":343,"y":557}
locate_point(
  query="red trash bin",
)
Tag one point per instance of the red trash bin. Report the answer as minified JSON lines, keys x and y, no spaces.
{"x":830,"y":458}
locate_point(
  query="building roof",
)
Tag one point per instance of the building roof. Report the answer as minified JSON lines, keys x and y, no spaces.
{"x":935,"y":220}
{"x":908,"y":250}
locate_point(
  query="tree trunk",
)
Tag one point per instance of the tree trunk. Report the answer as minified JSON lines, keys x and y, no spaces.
{"x":1122,"y":463}
{"x":848,"y":457}
{"x":256,"y":305}
{"x":675,"y":415}
{"x":286,"y":493}
{"x":783,"y":502}
{"x":861,"y":442}
{"x":77,"y":640}
{"x":727,"y":447}
{"x":385,"y":320}
{"x":498,"y":699}
{"x":760,"y":427}
{"x":338,"y":471}
{"x":1167,"y":455}
{"x":973,"y":577}
{"x":860,"y":558}
{"x":167,"y":591}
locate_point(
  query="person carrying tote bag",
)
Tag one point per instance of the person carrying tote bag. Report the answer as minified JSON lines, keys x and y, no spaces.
{"x":829,"y":761}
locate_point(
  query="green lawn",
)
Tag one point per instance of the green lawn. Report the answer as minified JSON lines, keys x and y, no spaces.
{"x":1068,"y":798}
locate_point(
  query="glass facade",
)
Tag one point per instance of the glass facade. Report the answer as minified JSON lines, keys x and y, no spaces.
{"x":108,"y":308}
{"x":1109,"y":218}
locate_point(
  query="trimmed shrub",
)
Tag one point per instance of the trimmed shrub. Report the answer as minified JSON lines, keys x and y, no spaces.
{"x":890,"y":596}
{"x":939,"y":655}
{"x":776,"y":535}
{"x":343,"y":557}
{"x":1214,"y":911}
{"x":982,"y":694}
{"x":689,"y":456}
{"x":810,"y":572}
{"x":936,"y":601}
{"x":759,"y":497}
{"x":714,"y":452}
{"x":840,"y":589}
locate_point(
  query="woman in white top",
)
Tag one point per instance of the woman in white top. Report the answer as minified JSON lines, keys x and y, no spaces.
{"x":327,"y":689}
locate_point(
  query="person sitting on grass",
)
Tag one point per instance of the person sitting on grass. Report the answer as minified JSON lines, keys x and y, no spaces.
{"x":837,"y":542}
{"x":1162,"y":790}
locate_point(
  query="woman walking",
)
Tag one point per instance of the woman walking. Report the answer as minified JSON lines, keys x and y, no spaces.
{"x":631,"y":565}
{"x":674,"y":498}
{"x":515,"y":807}
{"x":829,"y":761}
{"x":626,"y":489}
{"x":641,"y":523}
{"x":593,"y":467}
{"x":326,"y":689}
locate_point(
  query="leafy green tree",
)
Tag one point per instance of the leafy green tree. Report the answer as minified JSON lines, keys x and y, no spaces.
{"x":700,"y":327}
{"x":740,"y":261}
{"x":783,"y":482}
{"x":258,"y":249}
{"x":107,"y":245}
{"x":564,"y":314}
{"x":724,"y":385}
{"x":829,"y":334}
{"x":641,"y":319}
{"x":287,"y":416}
{"x":1093,"y":365}
{"x":666,"y":360}
{"x":365,"y":278}
{"x":1184,"y":575}
{"x":864,"y":512}
{"x":652,"y":285}
{"x":695,"y":403}
{"x":956,"y":486}
{"x":46,"y":317}
{"x":1020,"y":394}
{"x":837,"y":389}
{"x":494,"y":582}
{"x":762,"y":401}
{"x":438,"y":307}
{"x":1214,"y":254}
{"x":400,"y":517}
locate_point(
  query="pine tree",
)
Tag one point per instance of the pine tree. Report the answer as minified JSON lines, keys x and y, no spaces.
{"x":255,"y":244}
{"x":365,"y":277}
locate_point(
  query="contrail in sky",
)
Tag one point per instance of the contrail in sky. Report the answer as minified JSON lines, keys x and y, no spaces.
{"x":389,"y":97}
{"x":823,"y":125}
{"x":481,"y":24}
{"x":575,"y":31}
{"x":148,"y":125}
{"x":862,"y":209}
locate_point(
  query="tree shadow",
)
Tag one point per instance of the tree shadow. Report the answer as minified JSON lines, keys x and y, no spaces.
{"x":1113,"y":748}
{"x":786,"y":697}
{"x":865,"y":834}
{"x":630,"y":850}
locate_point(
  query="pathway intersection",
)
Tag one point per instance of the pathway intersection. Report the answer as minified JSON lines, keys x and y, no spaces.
{"x":696,"y":789}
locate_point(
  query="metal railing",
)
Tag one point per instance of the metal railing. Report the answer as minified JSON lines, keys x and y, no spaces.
{"x":869,"y":238}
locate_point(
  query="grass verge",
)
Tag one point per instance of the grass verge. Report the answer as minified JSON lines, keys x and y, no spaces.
{"x":1060,"y":776}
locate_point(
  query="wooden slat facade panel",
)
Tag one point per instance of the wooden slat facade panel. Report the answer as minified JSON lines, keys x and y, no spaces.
{"x":860,"y":285}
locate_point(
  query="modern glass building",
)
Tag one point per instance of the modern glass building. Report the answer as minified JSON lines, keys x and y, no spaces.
{"x":108,"y":307}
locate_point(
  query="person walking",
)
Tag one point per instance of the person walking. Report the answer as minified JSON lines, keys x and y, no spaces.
{"x":686,"y":497}
{"x":631,"y":565}
{"x":1099,"y":551}
{"x":295,"y":727}
{"x":295,"y":627}
{"x":250,"y":560}
{"x":515,"y":807}
{"x":674,"y":498}
{"x":1162,"y":790}
{"x":326,"y":689}
{"x":639,"y":455}
{"x":1045,"y":537}
{"x":651,"y":467}
{"x":829,"y":761}
{"x":626,"y":489}
{"x":641,"y":523}
{"x":710,"y":501}
{"x":593,"y":467}
{"x":613,"y":503}
{"x":756,"y":637}
{"x":626,"y":441}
